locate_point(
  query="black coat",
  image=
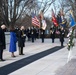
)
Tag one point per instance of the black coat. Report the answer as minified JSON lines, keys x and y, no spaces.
{"x":52,"y":34}
{"x":32,"y":33}
{"x":42,"y":33}
{"x":62,"y":33}
{"x":21,"y":39}
{"x":2,"y":39}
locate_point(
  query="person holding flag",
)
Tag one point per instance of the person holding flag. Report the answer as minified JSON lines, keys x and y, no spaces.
{"x":62,"y":35}
{"x":43,"y":26}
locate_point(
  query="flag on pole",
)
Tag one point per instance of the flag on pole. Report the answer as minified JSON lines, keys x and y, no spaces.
{"x":60,"y":18}
{"x":41,"y":15}
{"x":54,"y":20}
{"x":35,"y":20}
{"x":72,"y":23}
{"x":44,"y":25}
{"x":61,"y":12}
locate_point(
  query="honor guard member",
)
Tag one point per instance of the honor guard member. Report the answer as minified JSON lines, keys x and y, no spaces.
{"x":28,"y":32}
{"x":42,"y":35}
{"x":32,"y":34}
{"x":52,"y":34}
{"x":62,"y":34}
{"x":37,"y":33}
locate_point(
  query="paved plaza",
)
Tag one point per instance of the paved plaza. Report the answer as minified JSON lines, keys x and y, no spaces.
{"x":40,"y":59}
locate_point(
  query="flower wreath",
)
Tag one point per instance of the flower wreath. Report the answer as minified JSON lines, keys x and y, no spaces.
{"x":71,"y":41}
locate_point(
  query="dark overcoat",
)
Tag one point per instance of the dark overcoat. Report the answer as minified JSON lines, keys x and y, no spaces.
{"x":62,"y":34}
{"x":42,"y":33}
{"x":2,"y":39}
{"x":21,"y":39}
{"x":52,"y":34}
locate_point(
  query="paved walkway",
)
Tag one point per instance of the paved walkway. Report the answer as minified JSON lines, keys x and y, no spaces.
{"x":51,"y":64}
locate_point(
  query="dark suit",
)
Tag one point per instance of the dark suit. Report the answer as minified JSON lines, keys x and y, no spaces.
{"x":2,"y":43}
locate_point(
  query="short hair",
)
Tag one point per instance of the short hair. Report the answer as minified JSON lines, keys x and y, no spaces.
{"x":3,"y":26}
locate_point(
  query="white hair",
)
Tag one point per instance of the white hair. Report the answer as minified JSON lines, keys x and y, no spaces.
{"x":3,"y":26}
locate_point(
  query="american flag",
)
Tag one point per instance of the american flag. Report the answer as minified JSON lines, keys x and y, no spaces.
{"x":35,"y":20}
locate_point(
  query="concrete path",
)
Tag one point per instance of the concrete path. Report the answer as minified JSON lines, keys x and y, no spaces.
{"x":48,"y":65}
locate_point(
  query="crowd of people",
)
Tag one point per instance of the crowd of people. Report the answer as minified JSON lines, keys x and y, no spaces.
{"x":19,"y":35}
{"x":57,"y":31}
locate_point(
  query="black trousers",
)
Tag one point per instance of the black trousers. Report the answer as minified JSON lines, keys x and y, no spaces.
{"x":61,"y":43}
{"x":1,"y":54}
{"x":42,"y":40}
{"x":52,"y":40}
{"x":20,"y":50}
{"x":32,"y":39}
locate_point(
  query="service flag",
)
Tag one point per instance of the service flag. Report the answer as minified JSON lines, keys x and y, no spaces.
{"x":44,"y":25}
{"x":54,"y":20}
{"x":72,"y":22}
{"x":60,"y":18}
{"x":41,"y":15}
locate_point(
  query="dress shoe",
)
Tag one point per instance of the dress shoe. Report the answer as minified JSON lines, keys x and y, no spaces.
{"x":13,"y":56}
{"x":22,"y":54}
{"x":2,"y":60}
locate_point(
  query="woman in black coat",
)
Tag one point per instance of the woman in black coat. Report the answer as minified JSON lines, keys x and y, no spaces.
{"x":2,"y":41}
{"x":21,"y":40}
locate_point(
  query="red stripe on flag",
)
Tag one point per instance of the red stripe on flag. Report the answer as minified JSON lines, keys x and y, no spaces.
{"x":35,"y":21}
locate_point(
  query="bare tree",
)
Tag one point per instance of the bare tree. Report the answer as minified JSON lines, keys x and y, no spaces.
{"x":45,"y":5}
{"x":12,"y":10}
{"x":69,"y":5}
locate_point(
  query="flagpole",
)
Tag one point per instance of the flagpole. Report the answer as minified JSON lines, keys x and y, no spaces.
{"x":41,"y":18}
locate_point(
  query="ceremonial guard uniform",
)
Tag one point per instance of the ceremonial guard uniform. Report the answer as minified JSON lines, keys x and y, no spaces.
{"x":52,"y":34}
{"x":28,"y":33}
{"x":62,"y":33}
{"x":42,"y":35}
{"x":32,"y":34}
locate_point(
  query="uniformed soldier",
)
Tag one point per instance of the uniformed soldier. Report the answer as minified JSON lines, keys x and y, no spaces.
{"x":42,"y":35}
{"x":28,"y":32}
{"x":62,"y":34}
{"x":52,"y":34}
{"x":32,"y":34}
